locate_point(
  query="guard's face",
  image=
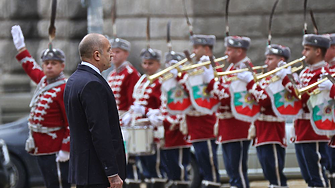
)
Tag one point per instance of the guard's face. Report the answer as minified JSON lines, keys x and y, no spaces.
{"x":310,"y":53}
{"x":120,"y":56}
{"x":199,"y":51}
{"x":150,"y":66}
{"x":52,"y":68}
{"x":272,"y":61}
{"x":232,"y":54}
{"x":330,"y":54}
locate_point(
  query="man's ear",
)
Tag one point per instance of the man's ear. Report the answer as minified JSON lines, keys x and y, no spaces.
{"x":63,"y":65}
{"x":96,"y":55}
{"x":239,"y":51}
{"x":318,"y":51}
{"x":208,"y":50}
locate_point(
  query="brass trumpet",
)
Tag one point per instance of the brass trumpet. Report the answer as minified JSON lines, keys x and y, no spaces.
{"x":190,"y":67}
{"x":303,"y":90}
{"x":257,"y":78}
{"x":197,"y":72}
{"x":226,"y":73}
{"x":167,"y":70}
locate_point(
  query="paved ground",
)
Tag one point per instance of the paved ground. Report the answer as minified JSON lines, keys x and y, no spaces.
{"x":257,"y":184}
{"x":291,"y":183}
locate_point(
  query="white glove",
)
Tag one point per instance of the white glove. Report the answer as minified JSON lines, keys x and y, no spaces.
{"x":138,"y":109}
{"x":126,"y":119}
{"x":208,"y":73}
{"x":326,"y":85}
{"x":252,"y":132}
{"x":18,"y":38}
{"x":245,"y":76}
{"x":156,"y":120}
{"x":204,"y":58}
{"x":174,"y":72}
{"x":282,"y":73}
{"x":281,"y":63}
{"x":154,"y":112}
{"x":62,"y":156}
{"x":172,"y":62}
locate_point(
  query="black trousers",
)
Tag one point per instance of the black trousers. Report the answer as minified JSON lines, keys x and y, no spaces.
{"x":48,"y":167}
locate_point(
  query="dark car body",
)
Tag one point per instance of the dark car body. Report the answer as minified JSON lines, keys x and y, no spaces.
{"x":25,"y":167}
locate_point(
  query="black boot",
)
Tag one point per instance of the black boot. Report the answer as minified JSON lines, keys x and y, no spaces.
{"x":148,"y":183}
{"x":332,"y":182}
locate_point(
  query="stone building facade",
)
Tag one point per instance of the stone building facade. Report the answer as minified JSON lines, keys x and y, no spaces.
{"x":246,"y":17}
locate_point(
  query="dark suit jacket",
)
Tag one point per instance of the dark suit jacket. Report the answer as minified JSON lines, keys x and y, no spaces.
{"x":97,"y":149}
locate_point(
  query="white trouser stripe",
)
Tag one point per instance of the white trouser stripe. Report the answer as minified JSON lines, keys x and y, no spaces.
{"x":180,"y":163}
{"x":135,"y":171}
{"x":319,"y":164}
{"x":158,"y":162}
{"x":276,"y":163}
{"x":240,"y":165}
{"x":211,"y":160}
{"x":59,"y":175}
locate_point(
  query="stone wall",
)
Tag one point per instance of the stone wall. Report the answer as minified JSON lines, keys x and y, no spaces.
{"x":246,"y":17}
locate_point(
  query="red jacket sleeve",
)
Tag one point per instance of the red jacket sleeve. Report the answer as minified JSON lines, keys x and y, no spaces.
{"x":66,"y":137}
{"x":131,"y":82}
{"x":30,"y":66}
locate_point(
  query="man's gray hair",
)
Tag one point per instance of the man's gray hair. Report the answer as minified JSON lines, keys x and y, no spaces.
{"x":89,"y":44}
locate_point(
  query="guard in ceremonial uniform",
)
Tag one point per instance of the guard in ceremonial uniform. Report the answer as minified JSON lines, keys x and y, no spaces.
{"x":122,"y":81}
{"x":147,"y":97}
{"x":310,"y":147}
{"x":327,"y":85}
{"x":124,"y":77}
{"x":176,"y":147}
{"x":232,"y":133}
{"x":49,"y":135}
{"x":270,"y":138}
{"x":200,"y":126}
{"x":330,"y":55}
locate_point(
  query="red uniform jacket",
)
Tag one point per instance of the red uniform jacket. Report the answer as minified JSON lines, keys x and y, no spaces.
{"x":47,"y":119}
{"x":122,"y":82}
{"x":230,"y":129}
{"x":332,"y":71}
{"x":173,"y":136}
{"x":200,"y":127}
{"x":269,"y":128}
{"x":303,"y":129}
{"x":332,"y":94}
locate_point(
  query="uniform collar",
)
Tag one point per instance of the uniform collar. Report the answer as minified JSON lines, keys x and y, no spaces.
{"x":317,"y":65}
{"x":121,"y":67}
{"x":61,"y":76}
{"x":241,"y":64}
